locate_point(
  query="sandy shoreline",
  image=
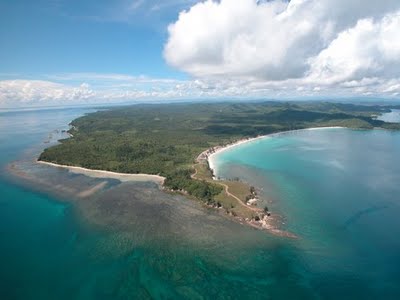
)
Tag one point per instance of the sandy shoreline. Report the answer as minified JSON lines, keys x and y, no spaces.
{"x":123,"y":177}
{"x":210,"y":153}
{"x":266,"y":223}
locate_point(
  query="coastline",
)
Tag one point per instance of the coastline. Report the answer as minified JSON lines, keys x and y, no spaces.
{"x":123,"y":177}
{"x":268,"y":222}
{"x":209,"y":154}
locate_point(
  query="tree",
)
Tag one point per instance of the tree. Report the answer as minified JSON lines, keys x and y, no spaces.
{"x":252,"y":190}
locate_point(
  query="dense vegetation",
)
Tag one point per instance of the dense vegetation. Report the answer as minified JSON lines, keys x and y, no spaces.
{"x":181,"y":180}
{"x":166,"y":139}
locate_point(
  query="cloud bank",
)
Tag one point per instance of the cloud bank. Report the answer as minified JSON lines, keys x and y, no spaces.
{"x":88,"y":88}
{"x":248,"y":49}
{"x":41,"y":93}
{"x":303,"y":43}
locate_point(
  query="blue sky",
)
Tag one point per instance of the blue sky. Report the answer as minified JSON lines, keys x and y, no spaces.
{"x":61,"y":36}
{"x":67,"y":52}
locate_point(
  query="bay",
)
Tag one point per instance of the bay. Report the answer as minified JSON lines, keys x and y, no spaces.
{"x":338,"y":190}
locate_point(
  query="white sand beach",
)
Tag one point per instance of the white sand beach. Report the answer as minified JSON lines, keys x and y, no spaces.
{"x":210,"y":154}
{"x":123,"y":177}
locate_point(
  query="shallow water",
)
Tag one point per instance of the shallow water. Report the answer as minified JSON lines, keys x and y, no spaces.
{"x":129,"y":241}
{"x":132,"y":241}
{"x":393,"y":116}
{"x":339,"y":191}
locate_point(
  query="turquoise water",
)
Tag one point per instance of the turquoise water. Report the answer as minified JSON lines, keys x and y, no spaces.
{"x":337,"y":189}
{"x":34,"y":228}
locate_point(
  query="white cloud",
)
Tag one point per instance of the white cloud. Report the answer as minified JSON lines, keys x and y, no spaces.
{"x":38,"y":92}
{"x":26,"y":93}
{"x":108,"y":88}
{"x":244,"y":48}
{"x":301,"y":42}
{"x":370,"y":49}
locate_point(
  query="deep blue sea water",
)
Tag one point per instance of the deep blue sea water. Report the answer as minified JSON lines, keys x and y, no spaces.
{"x":337,"y":189}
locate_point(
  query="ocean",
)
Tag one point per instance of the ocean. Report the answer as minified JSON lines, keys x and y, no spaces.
{"x":337,"y":189}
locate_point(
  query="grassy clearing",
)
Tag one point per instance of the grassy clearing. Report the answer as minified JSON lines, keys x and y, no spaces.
{"x":238,"y":188}
{"x":234,"y":202}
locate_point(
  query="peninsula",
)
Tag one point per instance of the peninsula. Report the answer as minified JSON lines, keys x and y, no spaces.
{"x":172,"y":142}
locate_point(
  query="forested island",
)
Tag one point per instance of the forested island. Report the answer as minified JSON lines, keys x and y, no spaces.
{"x":166,"y":139}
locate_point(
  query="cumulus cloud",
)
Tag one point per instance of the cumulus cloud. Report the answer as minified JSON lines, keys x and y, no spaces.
{"x":39,"y":92}
{"x":301,"y":42}
{"x":249,"y":49}
{"x":28,"y":93}
{"x":369,"y":49}
{"x":122,"y":88}
{"x":106,"y":88}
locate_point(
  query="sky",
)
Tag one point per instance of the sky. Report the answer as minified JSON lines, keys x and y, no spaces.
{"x":68,"y":52}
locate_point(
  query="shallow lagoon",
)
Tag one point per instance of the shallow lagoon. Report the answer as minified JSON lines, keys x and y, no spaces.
{"x":133,"y":241}
{"x":338,"y":190}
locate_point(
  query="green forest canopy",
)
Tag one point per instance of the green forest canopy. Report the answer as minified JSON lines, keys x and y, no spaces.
{"x":165,"y":139}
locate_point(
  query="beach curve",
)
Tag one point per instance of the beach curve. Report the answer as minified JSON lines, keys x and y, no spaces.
{"x":210,"y":154}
